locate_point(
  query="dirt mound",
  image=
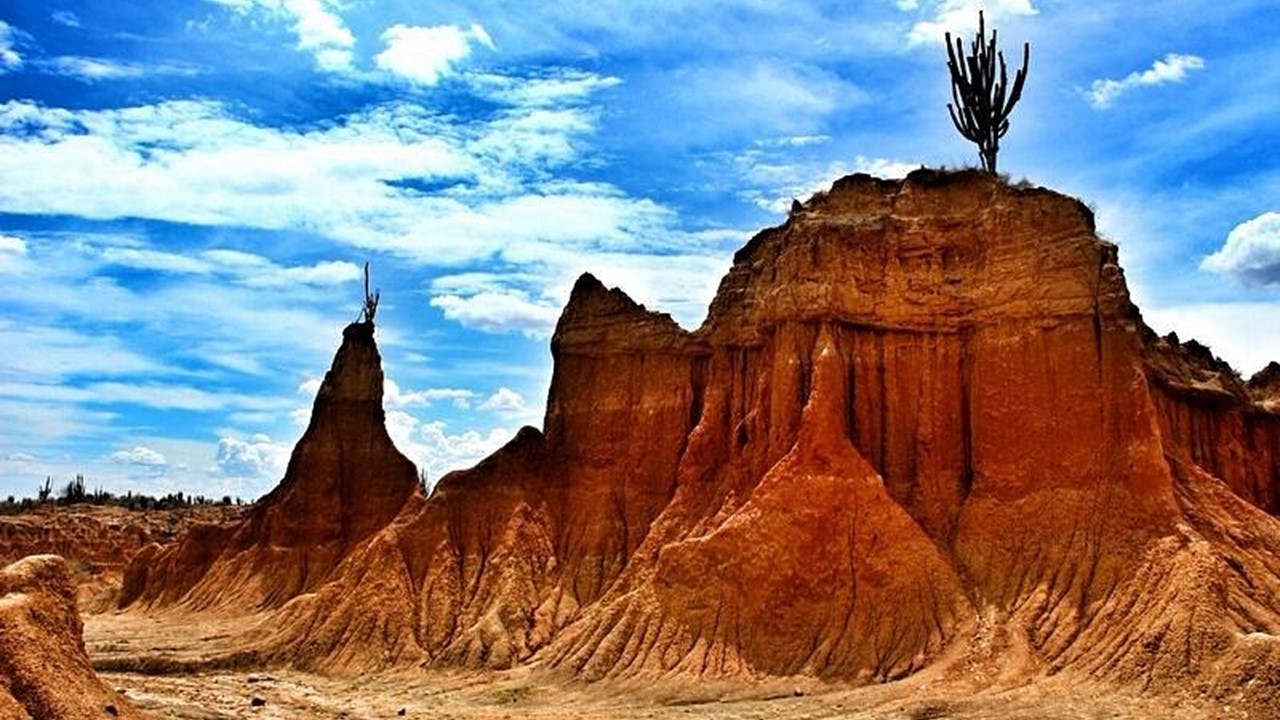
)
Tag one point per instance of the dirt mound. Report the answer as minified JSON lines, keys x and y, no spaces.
{"x":44,"y":671}
{"x":345,"y":481}
{"x":918,"y":413}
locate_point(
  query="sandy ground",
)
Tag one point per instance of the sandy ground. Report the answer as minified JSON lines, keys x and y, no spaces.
{"x":161,"y":665}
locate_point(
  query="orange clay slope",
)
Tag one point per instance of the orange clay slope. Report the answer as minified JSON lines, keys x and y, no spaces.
{"x":44,"y":671}
{"x":916,"y":408}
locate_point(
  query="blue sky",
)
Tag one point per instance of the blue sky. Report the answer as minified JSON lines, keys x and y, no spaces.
{"x":188,"y":189}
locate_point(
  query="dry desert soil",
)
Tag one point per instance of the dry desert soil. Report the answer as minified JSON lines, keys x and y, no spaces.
{"x":186,"y":666}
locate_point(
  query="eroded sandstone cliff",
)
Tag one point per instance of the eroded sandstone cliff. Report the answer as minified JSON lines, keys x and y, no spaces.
{"x":345,"y":481}
{"x":917,"y":411}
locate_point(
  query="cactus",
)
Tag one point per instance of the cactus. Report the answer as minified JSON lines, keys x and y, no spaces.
{"x":981,"y":108}
{"x":370,"y":300}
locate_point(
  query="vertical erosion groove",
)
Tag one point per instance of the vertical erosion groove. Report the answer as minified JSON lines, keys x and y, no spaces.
{"x":697,"y":389}
{"x":966,"y":413}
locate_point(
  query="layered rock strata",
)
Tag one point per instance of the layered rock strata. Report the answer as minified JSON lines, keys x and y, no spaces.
{"x":916,"y":411}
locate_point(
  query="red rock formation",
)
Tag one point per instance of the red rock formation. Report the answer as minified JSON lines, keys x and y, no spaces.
{"x":345,"y":481}
{"x":1212,"y":419}
{"x":44,"y":671}
{"x":916,"y":409}
{"x":97,"y":541}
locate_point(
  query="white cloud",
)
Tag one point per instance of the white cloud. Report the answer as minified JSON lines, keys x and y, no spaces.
{"x":245,"y":268}
{"x":721,"y":102}
{"x":146,"y":394}
{"x":432,"y":448}
{"x":66,"y":18}
{"x":9,"y":58}
{"x":504,"y":400}
{"x":256,"y":458}
{"x":10,"y":245}
{"x":12,"y":250}
{"x":175,"y":397}
{"x":394,"y":397}
{"x":1251,"y":254}
{"x":1173,"y":68}
{"x":530,"y":301}
{"x":139,"y":456}
{"x":320,"y":30}
{"x":142,"y":461}
{"x":20,"y":457}
{"x":352,"y":180}
{"x":960,"y":18}
{"x":87,"y":69}
{"x":32,"y":352}
{"x":781,"y":183}
{"x":553,"y":88}
{"x":500,"y":312}
{"x":423,"y":55}
{"x":1231,"y":329}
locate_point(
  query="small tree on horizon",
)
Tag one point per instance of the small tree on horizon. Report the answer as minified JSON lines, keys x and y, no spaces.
{"x":980,"y":108}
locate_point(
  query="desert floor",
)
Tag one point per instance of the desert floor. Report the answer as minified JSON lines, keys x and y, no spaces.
{"x":157,"y":661}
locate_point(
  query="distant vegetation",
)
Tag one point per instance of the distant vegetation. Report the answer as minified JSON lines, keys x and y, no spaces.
{"x":75,"y":492}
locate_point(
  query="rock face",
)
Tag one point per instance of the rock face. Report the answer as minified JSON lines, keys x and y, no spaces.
{"x":918,"y":413}
{"x":345,"y":481}
{"x":44,"y":671}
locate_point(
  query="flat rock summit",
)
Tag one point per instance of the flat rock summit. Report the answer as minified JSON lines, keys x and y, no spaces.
{"x":922,"y":426}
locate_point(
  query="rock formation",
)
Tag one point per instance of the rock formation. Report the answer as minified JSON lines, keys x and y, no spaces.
{"x":44,"y":671}
{"x":345,"y":481}
{"x":98,"y":541}
{"x":917,"y":411}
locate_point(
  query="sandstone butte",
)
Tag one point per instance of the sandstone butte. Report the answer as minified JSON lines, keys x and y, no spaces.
{"x":923,"y":422}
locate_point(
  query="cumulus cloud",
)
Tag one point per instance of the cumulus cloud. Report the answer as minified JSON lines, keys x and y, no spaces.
{"x":435,"y":450}
{"x":1173,"y":68}
{"x":9,"y":58}
{"x":500,"y":312}
{"x":320,"y":30}
{"x":394,"y":397}
{"x":1251,"y":254}
{"x":960,"y":17}
{"x":504,"y":400}
{"x":143,"y":461}
{"x":423,"y":55}
{"x":259,"y":458}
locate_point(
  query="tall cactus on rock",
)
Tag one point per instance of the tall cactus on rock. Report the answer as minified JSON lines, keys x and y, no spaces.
{"x":981,"y":107}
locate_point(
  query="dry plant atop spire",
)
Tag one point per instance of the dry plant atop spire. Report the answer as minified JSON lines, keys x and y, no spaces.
{"x":980,"y":110}
{"x":370,"y":299}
